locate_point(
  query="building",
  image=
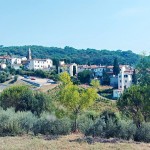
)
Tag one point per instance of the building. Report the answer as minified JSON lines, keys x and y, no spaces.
{"x":124,"y":81}
{"x":16,"y":66}
{"x":43,"y":64}
{"x":96,"y":70}
{"x":72,"y":69}
{"x":29,"y":55}
{"x":15,"y":61}
{"x":34,"y":64}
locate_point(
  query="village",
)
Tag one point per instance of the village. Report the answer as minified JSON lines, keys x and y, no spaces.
{"x":119,"y":82}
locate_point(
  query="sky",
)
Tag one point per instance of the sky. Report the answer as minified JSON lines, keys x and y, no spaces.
{"x":98,"y":24}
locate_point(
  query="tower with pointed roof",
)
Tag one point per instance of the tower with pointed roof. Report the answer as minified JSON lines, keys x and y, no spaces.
{"x":29,"y":57}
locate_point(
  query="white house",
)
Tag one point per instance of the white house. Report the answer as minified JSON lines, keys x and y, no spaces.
{"x":15,"y":61}
{"x":124,"y":81}
{"x":97,"y":70}
{"x":72,"y":69}
{"x":43,"y":64}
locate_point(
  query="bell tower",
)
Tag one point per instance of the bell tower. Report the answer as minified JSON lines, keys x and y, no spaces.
{"x":29,"y":57}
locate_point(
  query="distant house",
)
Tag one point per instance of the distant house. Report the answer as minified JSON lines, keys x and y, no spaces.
{"x":43,"y":64}
{"x":96,"y":70}
{"x":72,"y":69}
{"x":15,"y":61}
{"x":124,"y":81}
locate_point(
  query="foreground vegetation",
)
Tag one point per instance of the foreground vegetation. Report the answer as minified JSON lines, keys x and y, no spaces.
{"x":70,"y":108}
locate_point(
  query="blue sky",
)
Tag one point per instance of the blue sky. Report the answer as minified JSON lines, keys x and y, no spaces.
{"x":99,"y":24}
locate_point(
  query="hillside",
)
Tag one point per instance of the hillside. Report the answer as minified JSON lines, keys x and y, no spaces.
{"x":69,"y":54}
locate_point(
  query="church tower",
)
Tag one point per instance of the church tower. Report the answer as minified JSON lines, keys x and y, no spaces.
{"x":29,"y":57}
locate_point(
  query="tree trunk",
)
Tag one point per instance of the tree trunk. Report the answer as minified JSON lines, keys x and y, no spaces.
{"x":76,"y":124}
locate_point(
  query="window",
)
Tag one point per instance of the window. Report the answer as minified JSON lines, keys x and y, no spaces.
{"x":125,"y":81}
{"x":125,"y":76}
{"x":120,"y":80}
{"x":120,"y":86}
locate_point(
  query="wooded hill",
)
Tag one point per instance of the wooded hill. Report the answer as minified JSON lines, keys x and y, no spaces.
{"x":69,"y":54}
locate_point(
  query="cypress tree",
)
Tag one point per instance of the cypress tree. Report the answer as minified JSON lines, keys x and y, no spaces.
{"x":116,"y":68}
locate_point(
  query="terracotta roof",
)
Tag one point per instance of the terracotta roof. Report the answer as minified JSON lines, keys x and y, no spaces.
{"x":90,"y":67}
{"x":66,"y":65}
{"x":4,"y":57}
{"x":40,"y":59}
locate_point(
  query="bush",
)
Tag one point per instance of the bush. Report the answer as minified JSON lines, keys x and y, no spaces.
{"x":86,"y":120}
{"x":12,"y":123}
{"x":51,"y":125}
{"x":22,"y":98}
{"x":85,"y":124}
{"x":143,"y":133}
{"x":8,"y":123}
{"x":15,"y":78}
{"x":26,"y":121}
{"x":108,"y":125}
{"x":126,"y":129}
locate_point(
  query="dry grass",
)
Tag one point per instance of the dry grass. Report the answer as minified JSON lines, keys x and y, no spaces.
{"x":45,"y":88}
{"x":64,"y":143}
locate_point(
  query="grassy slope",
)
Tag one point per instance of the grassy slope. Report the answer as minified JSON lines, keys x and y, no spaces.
{"x":64,"y":143}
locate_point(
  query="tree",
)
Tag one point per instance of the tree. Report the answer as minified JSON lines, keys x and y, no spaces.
{"x":135,"y":102}
{"x":85,"y":76}
{"x":3,"y":76}
{"x":103,"y":57}
{"x":41,"y":103}
{"x":75,"y":80}
{"x":75,"y":99}
{"x":134,"y":77}
{"x":17,"y":96}
{"x":95,"y":83}
{"x":106,"y":78}
{"x":116,"y":68}
{"x":143,"y":68}
{"x":56,"y":63}
{"x":23,"y":99}
{"x":64,"y":77}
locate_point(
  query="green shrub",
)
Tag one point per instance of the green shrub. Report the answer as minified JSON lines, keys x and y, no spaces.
{"x":86,"y":120}
{"x":61,"y":126}
{"x":15,"y":78}
{"x":51,"y":125}
{"x":22,"y":98}
{"x":97,"y":129}
{"x":143,"y":133}
{"x":84,"y":124}
{"x":14,"y":123}
{"x":126,"y":129}
{"x":26,"y":121}
{"x":8,"y":123}
{"x":108,"y":125}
